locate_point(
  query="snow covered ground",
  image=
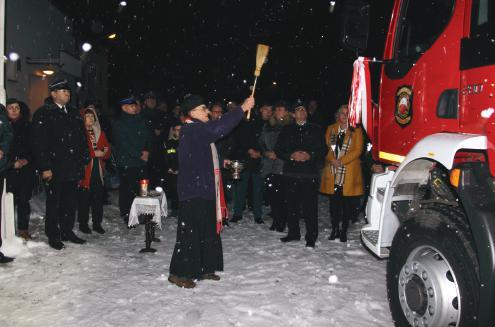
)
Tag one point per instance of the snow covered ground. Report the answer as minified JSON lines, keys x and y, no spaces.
{"x":107,"y":282}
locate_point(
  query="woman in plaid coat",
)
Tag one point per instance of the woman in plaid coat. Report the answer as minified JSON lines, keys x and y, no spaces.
{"x":342,"y":177}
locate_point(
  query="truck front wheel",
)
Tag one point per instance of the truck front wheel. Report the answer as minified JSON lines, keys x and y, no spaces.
{"x":432,"y":271}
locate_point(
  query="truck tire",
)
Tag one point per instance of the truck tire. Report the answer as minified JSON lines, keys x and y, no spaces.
{"x":432,"y":273}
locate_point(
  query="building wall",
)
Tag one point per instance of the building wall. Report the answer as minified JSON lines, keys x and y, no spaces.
{"x":37,"y":30}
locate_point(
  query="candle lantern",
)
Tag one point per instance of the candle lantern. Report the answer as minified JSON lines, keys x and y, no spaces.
{"x":143,"y":190}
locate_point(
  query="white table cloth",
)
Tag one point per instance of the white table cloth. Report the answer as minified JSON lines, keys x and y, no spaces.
{"x":148,"y":205}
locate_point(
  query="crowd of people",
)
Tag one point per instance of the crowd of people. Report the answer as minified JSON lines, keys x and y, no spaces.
{"x":290,"y":154}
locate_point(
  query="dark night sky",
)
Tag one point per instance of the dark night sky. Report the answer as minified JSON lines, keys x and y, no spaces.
{"x":176,"y":47}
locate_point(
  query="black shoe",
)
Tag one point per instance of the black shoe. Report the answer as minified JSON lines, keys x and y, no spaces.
{"x":97,"y":228}
{"x":85,"y":229}
{"x":73,"y":238}
{"x":343,"y":236}
{"x":310,"y":244}
{"x":210,"y":276}
{"x":57,"y":245}
{"x":334,"y":234}
{"x":235,"y":219}
{"x":259,"y":220}
{"x":272,"y":227}
{"x":280,"y":228}
{"x":290,"y":239}
{"x":4,"y":259}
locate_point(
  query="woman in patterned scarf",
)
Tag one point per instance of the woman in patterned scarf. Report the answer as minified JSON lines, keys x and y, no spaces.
{"x":342,"y":176}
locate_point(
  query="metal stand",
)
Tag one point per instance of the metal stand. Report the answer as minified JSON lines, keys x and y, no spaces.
{"x":149,"y":226}
{"x":153,"y":238}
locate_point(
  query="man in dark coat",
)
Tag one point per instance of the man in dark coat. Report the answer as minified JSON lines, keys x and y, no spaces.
{"x":154,"y":119}
{"x":6,"y":137}
{"x":20,"y":175}
{"x":248,"y":150}
{"x":302,"y":147}
{"x":60,"y":152}
{"x":198,"y":249}
{"x":132,"y":141}
{"x":272,"y":167}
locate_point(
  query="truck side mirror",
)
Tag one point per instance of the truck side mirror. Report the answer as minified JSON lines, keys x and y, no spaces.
{"x":356,"y":25}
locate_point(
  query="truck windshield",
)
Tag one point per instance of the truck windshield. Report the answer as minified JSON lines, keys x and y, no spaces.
{"x":422,"y":22}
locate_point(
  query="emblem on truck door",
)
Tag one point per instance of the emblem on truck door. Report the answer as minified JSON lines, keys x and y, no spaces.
{"x":403,"y":105}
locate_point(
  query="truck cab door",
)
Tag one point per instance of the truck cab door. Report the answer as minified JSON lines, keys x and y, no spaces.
{"x":478,"y":68}
{"x":420,"y":81}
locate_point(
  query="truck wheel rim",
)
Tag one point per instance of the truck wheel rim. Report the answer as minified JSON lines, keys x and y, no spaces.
{"x":428,"y":290}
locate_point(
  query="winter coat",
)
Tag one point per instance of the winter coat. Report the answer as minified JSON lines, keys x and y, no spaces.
{"x":130,"y":135}
{"x":308,"y":138}
{"x":6,"y":136}
{"x":59,"y":142}
{"x":20,"y":147}
{"x":101,"y":143}
{"x":268,"y":140}
{"x":196,"y":176}
{"x":247,"y":137}
{"x":353,"y":181}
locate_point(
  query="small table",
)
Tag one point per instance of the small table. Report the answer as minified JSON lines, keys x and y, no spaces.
{"x":150,"y":209}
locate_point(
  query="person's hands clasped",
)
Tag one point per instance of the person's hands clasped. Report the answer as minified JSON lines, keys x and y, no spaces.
{"x":254,"y":154}
{"x":336,"y":163}
{"x":300,"y":156}
{"x":18,"y":164}
{"x":47,"y":175}
{"x":145,"y":155}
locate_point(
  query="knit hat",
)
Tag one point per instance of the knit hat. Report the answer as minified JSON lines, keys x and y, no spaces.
{"x":59,"y":85}
{"x":190,"y":102}
{"x":11,"y":100}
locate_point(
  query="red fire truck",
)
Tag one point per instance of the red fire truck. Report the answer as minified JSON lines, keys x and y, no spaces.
{"x":432,"y":212}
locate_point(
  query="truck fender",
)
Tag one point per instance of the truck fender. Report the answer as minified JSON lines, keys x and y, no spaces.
{"x":442,"y":148}
{"x":439,"y":148}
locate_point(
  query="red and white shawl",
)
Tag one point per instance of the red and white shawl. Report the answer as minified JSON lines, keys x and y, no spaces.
{"x":220,"y":204}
